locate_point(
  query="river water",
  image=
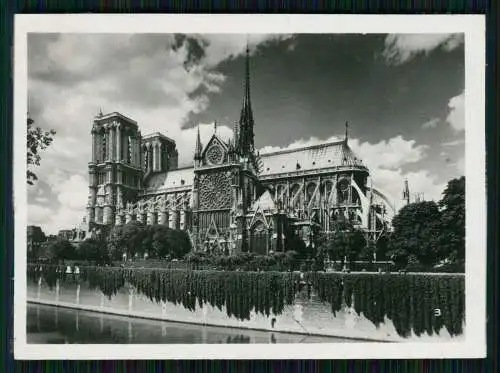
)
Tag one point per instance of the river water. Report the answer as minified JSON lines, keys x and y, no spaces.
{"x":55,"y":325}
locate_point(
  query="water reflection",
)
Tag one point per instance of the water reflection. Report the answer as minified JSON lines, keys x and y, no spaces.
{"x":46,"y":324}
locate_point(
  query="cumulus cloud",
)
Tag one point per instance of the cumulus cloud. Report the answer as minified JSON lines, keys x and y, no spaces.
{"x":432,"y":123}
{"x":453,"y":142}
{"x":460,"y":165}
{"x":392,"y":182}
{"x":390,"y":154}
{"x":67,"y":208}
{"x":388,"y":163}
{"x":220,"y":47}
{"x":456,"y":114}
{"x":401,"y":48}
{"x":156,"y":79}
{"x":38,"y":215}
{"x":298,"y":144}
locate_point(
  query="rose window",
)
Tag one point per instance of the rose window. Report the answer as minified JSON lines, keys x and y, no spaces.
{"x":215,"y":155}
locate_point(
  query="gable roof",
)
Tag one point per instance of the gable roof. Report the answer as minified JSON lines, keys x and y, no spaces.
{"x":327,"y":155}
{"x":215,"y":139}
{"x":163,"y":181}
{"x":265,"y":202}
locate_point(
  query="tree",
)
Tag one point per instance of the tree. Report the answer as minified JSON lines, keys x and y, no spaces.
{"x":346,"y":244}
{"x":295,"y":243}
{"x":127,"y":239}
{"x":37,"y":140}
{"x":158,"y":241}
{"x":35,"y":237}
{"x":116,"y":243}
{"x":416,"y":233}
{"x":161,"y":242}
{"x":61,"y":250}
{"x":452,"y":205}
{"x":356,"y":245}
{"x":382,"y":246}
{"x":171,"y":242}
{"x":93,"y":250}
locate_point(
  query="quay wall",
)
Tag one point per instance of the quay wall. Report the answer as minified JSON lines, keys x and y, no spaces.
{"x":307,"y":316}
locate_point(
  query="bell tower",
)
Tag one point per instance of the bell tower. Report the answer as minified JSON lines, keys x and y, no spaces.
{"x":115,"y":173}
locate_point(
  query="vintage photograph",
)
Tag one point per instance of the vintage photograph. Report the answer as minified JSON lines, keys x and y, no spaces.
{"x":189,"y":188}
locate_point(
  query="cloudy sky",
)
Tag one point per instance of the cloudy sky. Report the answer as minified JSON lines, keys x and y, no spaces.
{"x":403,"y":96}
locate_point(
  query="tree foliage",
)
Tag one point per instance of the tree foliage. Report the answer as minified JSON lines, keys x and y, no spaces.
{"x":427,"y":233}
{"x":126,"y":239}
{"x":452,"y":240}
{"x":93,"y":250}
{"x":416,"y":233}
{"x":37,"y":140}
{"x":35,"y":237}
{"x":295,"y":243}
{"x":158,"y":241}
{"x":60,"y":250}
{"x":346,"y":243}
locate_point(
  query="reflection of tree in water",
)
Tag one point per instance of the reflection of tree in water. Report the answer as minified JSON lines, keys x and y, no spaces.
{"x":238,"y":339}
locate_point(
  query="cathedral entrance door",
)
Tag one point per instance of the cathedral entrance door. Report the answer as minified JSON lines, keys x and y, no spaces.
{"x":259,"y":239}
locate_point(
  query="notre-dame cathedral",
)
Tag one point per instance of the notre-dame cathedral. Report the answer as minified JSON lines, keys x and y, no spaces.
{"x":231,"y":198}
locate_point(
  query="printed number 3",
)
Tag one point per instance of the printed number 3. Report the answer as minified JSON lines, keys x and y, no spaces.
{"x":437,"y":312}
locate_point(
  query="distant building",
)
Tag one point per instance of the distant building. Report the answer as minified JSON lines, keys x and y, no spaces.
{"x":74,"y":235}
{"x":35,"y":238}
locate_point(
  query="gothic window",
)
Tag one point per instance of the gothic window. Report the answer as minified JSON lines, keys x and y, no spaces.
{"x":104,"y":147}
{"x":295,"y":190}
{"x":281,"y":188}
{"x":215,"y":191}
{"x":258,"y":238}
{"x":215,"y":155}
{"x":343,"y":190}
{"x":355,"y":196}
{"x":328,"y":188}
{"x":129,"y":149}
{"x":101,"y":177}
{"x":311,"y":187}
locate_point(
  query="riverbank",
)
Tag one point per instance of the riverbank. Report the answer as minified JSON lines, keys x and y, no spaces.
{"x":306,"y":314}
{"x":59,"y":325}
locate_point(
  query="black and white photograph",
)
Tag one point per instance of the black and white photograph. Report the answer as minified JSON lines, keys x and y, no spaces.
{"x":309,"y":187}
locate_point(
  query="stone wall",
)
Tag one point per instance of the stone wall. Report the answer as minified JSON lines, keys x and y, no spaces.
{"x":305,"y":316}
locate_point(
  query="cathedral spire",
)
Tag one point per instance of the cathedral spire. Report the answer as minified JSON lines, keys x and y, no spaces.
{"x":197,"y":148}
{"x":246,"y":135}
{"x":406,"y":193}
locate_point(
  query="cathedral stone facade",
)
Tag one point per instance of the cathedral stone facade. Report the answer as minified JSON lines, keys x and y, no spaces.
{"x":231,"y":199}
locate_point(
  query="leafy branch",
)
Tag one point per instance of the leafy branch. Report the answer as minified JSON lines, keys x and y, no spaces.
{"x":37,"y":140}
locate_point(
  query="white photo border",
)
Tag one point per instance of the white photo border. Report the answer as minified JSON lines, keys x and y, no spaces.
{"x":473,"y":28}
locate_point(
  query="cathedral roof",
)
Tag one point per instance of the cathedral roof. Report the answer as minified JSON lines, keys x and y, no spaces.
{"x":157,"y":134}
{"x":163,"y":181}
{"x":327,"y":155}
